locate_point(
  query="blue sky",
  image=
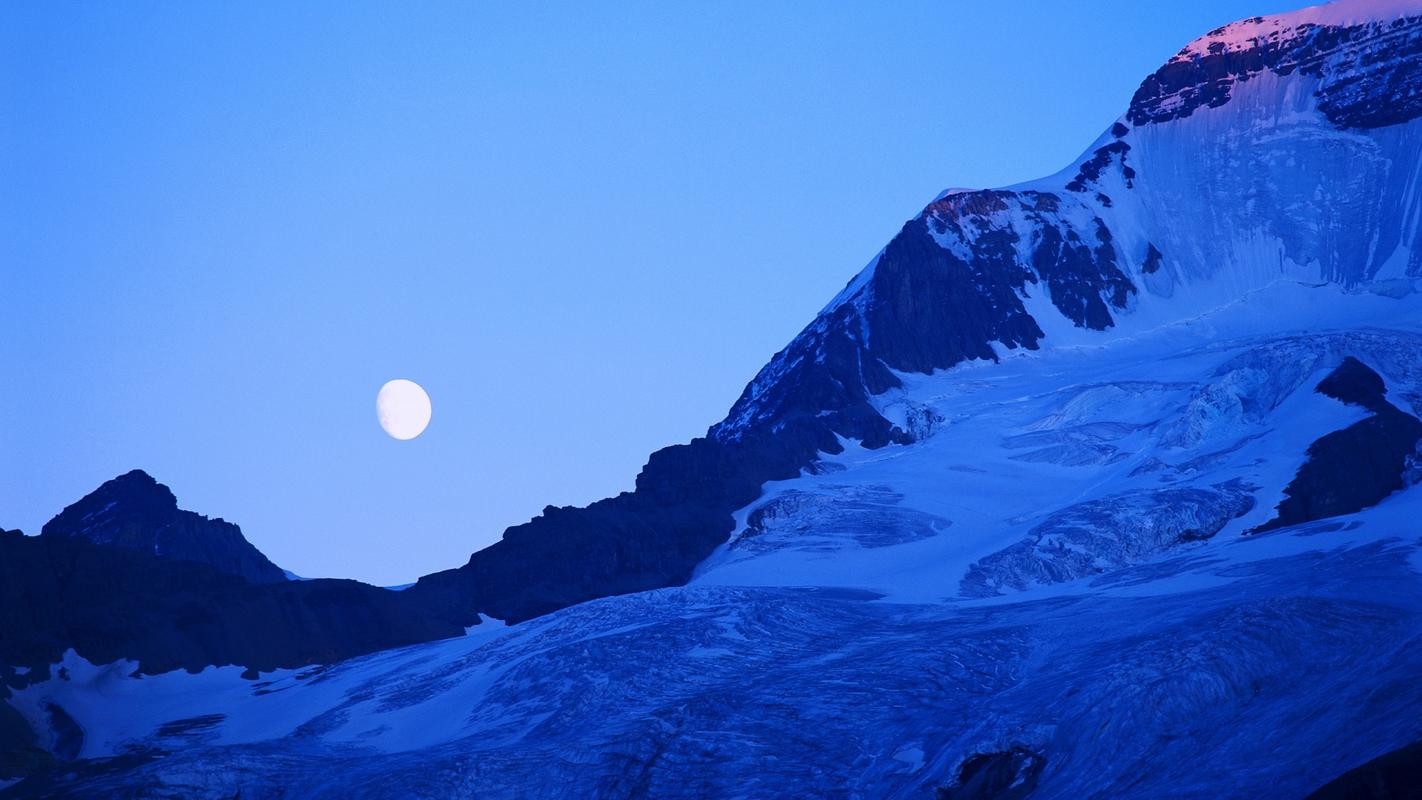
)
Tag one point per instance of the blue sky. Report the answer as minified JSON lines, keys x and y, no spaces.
{"x":582,"y":230}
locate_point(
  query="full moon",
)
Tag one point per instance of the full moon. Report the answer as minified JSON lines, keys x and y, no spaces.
{"x":403,"y":409}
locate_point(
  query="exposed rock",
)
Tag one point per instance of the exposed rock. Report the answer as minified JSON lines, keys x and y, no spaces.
{"x":1008,"y":775}
{"x":1152,"y":260}
{"x":1092,"y":169}
{"x":1355,"y":383}
{"x":19,"y":753}
{"x":1369,"y":75}
{"x":1355,"y":468}
{"x":136,"y":512}
{"x":109,"y":603}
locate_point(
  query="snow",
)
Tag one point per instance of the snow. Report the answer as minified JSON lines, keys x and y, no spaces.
{"x":1216,"y":662}
{"x":1140,"y":398}
{"x":117,"y":711}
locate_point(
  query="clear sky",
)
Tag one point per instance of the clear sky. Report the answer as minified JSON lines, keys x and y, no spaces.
{"x":582,"y":230}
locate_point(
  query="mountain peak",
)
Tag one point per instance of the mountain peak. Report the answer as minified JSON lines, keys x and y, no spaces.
{"x":1250,"y":32}
{"x":1361,"y":59}
{"x":134,"y":497}
{"x":136,"y":512}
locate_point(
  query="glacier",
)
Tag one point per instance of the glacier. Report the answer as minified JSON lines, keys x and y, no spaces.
{"x":1031,"y":554}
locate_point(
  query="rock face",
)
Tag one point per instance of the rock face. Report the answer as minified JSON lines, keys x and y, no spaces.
{"x":20,"y":753}
{"x":136,"y":512}
{"x":1008,"y":775}
{"x":1355,"y":468}
{"x":59,"y":593}
{"x":1367,"y":71}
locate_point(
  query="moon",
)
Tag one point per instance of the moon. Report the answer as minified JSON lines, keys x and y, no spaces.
{"x":403,"y":408}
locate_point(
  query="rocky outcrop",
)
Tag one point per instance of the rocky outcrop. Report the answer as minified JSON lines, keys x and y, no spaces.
{"x":1369,"y":73}
{"x":1007,"y":775}
{"x":108,"y":603}
{"x":1355,"y":468}
{"x":136,"y":512}
{"x":646,"y":539}
{"x":949,"y":288}
{"x":20,"y":753}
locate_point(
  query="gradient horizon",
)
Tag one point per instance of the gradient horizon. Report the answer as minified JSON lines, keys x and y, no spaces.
{"x":582,"y":231}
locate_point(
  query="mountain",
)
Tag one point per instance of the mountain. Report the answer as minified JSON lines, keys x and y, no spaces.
{"x":1274,"y":149}
{"x":136,"y":512}
{"x":1100,"y":485}
{"x":59,"y":594}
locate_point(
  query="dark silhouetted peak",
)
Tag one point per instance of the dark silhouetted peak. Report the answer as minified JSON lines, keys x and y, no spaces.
{"x":132,"y":499}
{"x":136,"y":512}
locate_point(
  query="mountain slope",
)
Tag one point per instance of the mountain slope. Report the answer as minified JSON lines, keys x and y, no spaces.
{"x":1276,"y":148}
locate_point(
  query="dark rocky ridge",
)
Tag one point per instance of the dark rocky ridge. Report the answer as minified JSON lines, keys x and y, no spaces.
{"x":1370,"y":74}
{"x":110,"y":603}
{"x":646,"y":539}
{"x":136,"y":512}
{"x":1355,"y":468}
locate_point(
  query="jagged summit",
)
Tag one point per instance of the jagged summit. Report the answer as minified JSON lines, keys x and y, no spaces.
{"x":136,"y":512}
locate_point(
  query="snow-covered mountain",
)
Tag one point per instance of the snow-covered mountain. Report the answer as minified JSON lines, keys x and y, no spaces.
{"x":1100,"y":485}
{"x":1274,"y":149}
